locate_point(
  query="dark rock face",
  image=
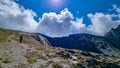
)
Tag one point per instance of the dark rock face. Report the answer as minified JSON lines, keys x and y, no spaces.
{"x":108,"y":44}
{"x":85,"y":42}
{"x":79,"y":41}
{"x":114,"y":35}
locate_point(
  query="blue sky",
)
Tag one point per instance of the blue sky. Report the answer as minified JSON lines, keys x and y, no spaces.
{"x":58,"y":18}
{"x":79,"y":8}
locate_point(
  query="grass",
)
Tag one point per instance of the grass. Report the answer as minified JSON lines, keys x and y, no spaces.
{"x":57,"y":64}
{"x":75,"y":66}
{"x":40,"y":56}
{"x":16,"y":37}
{"x":33,"y":56}
{"x":109,"y":65}
{"x":7,"y":60}
{"x":32,"y":60}
{"x":3,"y":37}
{"x":40,"y":47}
{"x":5,"y":33}
{"x":42,"y":66}
{"x":1,"y":66}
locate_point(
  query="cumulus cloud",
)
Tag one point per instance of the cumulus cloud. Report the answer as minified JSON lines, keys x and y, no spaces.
{"x":78,"y":24}
{"x":102,"y":23}
{"x":55,"y":25}
{"x":13,"y":16}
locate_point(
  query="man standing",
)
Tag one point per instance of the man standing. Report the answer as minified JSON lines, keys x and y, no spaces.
{"x":21,"y":39}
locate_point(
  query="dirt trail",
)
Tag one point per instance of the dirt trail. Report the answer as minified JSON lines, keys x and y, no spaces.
{"x":10,"y":38}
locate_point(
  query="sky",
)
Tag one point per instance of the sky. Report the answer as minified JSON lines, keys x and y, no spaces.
{"x":57,"y":18}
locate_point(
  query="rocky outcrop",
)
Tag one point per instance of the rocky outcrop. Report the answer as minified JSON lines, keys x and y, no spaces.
{"x":40,"y":39}
{"x":114,"y":33}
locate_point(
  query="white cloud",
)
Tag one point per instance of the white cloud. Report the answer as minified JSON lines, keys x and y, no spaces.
{"x":54,"y":25}
{"x":13,"y":16}
{"x":115,"y":7}
{"x":78,"y":24}
{"x":102,"y":23}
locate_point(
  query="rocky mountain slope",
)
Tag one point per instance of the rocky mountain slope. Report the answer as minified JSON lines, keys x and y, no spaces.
{"x":12,"y":36}
{"x":35,"y":51}
{"x":108,"y":44}
{"x":114,"y":35}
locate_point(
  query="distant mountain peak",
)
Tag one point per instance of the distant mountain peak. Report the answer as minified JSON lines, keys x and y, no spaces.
{"x":114,"y":33}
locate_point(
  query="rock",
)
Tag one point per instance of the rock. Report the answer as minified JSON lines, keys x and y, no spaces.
{"x":80,"y":66}
{"x":92,"y":62}
{"x":63,"y":65}
{"x":86,"y":53}
{"x":74,"y":58}
{"x":71,"y":51}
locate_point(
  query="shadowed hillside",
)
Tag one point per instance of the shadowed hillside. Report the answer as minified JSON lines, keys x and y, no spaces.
{"x":108,"y":44}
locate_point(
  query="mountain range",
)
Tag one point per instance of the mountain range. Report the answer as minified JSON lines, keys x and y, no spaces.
{"x":20,"y":49}
{"x":108,"y":44}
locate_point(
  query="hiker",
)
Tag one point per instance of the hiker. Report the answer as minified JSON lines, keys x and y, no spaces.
{"x":21,"y":39}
